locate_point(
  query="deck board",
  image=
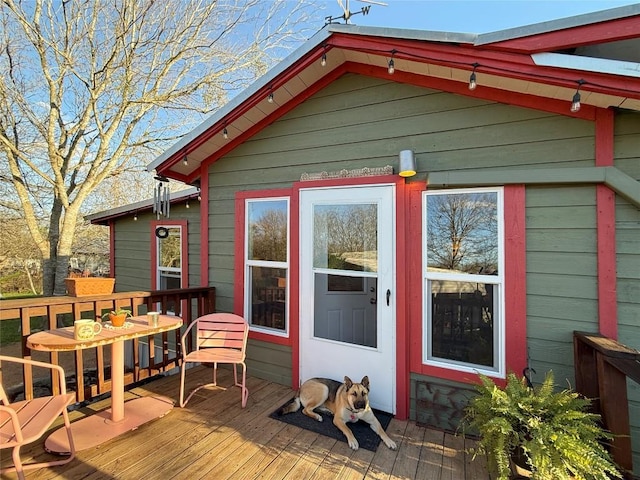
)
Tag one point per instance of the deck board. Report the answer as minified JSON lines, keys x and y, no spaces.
{"x":213,"y":437}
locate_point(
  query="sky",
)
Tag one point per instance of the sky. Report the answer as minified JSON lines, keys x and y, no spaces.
{"x":465,"y":16}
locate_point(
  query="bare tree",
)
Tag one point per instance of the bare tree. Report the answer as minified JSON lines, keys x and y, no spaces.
{"x":91,"y":89}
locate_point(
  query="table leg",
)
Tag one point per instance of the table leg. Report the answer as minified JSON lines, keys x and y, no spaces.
{"x":122,"y":417}
{"x":117,"y":382}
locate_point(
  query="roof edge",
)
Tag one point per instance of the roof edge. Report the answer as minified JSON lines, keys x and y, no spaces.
{"x":559,"y":24}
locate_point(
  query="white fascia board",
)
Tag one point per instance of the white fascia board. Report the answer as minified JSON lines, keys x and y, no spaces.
{"x":587,"y":64}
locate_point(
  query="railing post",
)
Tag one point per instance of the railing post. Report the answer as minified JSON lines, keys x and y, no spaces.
{"x":614,"y":408}
{"x":602,"y":366}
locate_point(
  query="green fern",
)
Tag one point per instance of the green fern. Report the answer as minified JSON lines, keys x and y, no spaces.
{"x":559,"y":438}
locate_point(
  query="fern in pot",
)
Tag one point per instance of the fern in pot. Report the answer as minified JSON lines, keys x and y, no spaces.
{"x":552,"y":431}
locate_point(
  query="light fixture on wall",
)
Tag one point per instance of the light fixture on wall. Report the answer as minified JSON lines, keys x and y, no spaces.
{"x":575,"y":102}
{"x":323,"y":60}
{"x":185,"y":161}
{"x":270,"y":97}
{"x":186,"y":205}
{"x":472,"y":78}
{"x":407,"y":160}
{"x":225,"y":133}
{"x":135,"y":217}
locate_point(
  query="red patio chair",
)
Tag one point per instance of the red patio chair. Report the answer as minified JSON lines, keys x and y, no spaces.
{"x":26,"y":421}
{"x":220,"y":338}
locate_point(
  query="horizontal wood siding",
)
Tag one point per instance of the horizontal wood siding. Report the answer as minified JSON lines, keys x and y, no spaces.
{"x":358,"y":121}
{"x":561,"y":275}
{"x":269,"y":361}
{"x":627,"y":159}
{"x":133,"y":253}
{"x":133,"y":248}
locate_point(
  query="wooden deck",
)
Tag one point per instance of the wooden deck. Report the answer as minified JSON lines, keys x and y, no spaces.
{"x":214,"y":438}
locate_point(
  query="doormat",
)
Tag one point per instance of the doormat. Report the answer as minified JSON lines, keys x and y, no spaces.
{"x":367,"y":438}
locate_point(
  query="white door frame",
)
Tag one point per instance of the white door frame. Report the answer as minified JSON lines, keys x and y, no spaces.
{"x":321,"y":357}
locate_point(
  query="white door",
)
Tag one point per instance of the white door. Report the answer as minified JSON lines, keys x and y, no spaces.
{"x":347,"y":279}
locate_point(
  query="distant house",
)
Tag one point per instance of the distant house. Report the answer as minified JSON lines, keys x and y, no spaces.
{"x":520,"y":225}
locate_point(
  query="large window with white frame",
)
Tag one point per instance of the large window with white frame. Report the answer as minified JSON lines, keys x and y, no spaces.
{"x":267,"y":264}
{"x":463,"y":280}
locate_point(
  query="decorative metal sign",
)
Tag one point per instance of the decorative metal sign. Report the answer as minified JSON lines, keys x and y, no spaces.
{"x":358,"y":172}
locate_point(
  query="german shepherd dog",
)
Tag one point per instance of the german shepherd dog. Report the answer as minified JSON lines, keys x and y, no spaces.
{"x":348,"y":402}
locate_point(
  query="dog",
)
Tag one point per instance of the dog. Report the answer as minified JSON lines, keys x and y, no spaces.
{"x":348,"y":402}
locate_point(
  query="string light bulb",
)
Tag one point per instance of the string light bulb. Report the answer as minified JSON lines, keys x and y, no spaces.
{"x":575,"y":102}
{"x":472,"y":78}
{"x":391,"y":66}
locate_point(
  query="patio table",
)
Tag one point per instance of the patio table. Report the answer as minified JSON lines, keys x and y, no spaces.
{"x":122,"y":416}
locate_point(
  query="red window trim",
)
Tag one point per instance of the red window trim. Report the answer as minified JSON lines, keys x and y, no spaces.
{"x":184,"y":260}
{"x":514,"y":287}
{"x":239,"y":290}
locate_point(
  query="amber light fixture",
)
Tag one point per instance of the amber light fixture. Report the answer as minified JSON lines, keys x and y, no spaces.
{"x":407,"y":161}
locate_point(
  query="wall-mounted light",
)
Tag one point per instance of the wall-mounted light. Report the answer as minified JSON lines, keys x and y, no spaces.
{"x":225,"y":134}
{"x":407,"y":161}
{"x":186,"y":205}
{"x":185,"y":161}
{"x":270,"y":97}
{"x":323,"y":60}
{"x":135,"y":217}
{"x":575,"y":102}
{"x":472,"y":78}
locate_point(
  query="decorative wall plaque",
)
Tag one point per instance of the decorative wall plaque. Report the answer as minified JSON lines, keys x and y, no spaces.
{"x":344,"y":173}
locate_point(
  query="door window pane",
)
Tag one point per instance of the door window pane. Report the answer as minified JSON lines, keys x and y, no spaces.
{"x":345,"y":237}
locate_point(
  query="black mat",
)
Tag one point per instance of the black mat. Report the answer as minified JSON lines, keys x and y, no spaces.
{"x":367,"y":438}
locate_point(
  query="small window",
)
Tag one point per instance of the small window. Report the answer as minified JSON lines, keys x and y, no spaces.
{"x":267,"y":264}
{"x":169,"y":256}
{"x":463,"y":280}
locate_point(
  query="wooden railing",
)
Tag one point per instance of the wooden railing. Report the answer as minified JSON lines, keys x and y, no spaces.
{"x":602,"y":366}
{"x":146,"y":357}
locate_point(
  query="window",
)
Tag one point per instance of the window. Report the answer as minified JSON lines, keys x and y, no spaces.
{"x":169,"y":257}
{"x":463,"y":280}
{"x":267,"y":264}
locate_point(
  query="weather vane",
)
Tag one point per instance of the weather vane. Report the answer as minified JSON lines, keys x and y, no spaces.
{"x":347,"y":13}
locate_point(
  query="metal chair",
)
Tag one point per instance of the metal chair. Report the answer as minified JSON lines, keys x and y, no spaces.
{"x":26,"y":421}
{"x":220,"y":338}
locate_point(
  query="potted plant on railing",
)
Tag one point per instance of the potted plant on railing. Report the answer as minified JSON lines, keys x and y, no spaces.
{"x":550,"y":433}
{"x":117,"y":317}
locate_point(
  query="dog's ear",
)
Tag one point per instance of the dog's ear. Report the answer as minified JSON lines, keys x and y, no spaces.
{"x":347,"y":382}
{"x":365,"y":382}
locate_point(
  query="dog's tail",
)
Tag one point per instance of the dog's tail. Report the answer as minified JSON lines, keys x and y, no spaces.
{"x":291,"y":406}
